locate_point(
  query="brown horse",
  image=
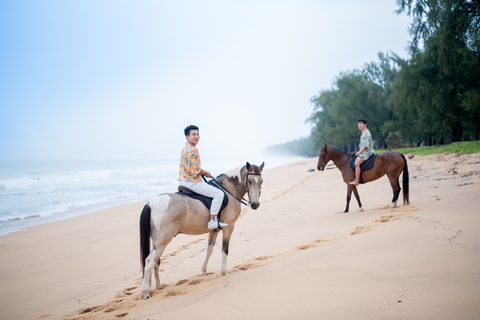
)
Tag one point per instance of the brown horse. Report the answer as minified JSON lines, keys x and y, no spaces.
{"x":389,"y":163}
{"x":169,"y":214}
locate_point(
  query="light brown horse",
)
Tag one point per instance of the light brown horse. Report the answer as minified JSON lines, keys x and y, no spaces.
{"x":169,"y":214}
{"x":390,"y":163}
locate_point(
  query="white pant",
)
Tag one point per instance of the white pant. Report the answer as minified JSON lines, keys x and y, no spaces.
{"x":205,"y":189}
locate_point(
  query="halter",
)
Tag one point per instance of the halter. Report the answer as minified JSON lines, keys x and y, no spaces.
{"x":326,"y":151}
{"x":246,"y":184}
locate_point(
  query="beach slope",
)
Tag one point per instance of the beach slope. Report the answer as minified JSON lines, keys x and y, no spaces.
{"x":297,"y":256}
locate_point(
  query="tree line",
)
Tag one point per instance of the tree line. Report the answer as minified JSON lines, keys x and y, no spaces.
{"x":430,"y":98}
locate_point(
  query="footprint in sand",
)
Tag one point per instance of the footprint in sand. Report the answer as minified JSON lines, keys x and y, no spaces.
{"x":304,"y":247}
{"x":90,"y":309}
{"x":125,"y":292}
{"x":244,"y":266}
{"x":174,"y":293}
{"x":110,"y":310}
{"x":262,"y":258}
{"x":121,"y":315}
{"x":180,"y":282}
{"x":360,"y":229}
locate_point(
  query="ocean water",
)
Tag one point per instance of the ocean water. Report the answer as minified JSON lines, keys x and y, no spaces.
{"x":34,"y":192}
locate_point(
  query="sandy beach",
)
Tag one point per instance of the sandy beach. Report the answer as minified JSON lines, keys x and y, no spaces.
{"x":299,"y":256}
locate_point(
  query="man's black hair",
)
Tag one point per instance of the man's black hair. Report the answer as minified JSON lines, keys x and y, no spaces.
{"x":362,"y":120}
{"x":190,"y":128}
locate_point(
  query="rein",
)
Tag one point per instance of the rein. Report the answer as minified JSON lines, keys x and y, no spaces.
{"x":243,"y":200}
{"x":348,"y":161}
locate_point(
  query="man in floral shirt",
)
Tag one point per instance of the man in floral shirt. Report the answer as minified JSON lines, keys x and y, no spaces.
{"x":190,"y":175}
{"x":366,"y":149}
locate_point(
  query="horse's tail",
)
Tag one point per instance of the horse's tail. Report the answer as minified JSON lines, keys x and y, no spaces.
{"x":406,"y":199}
{"x":145,"y":234}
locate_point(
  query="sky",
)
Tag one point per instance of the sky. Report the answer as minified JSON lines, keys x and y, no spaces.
{"x":115,"y":79}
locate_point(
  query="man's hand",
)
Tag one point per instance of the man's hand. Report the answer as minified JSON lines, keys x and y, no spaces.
{"x":207,"y":173}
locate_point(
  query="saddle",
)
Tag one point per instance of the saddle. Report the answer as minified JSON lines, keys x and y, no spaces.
{"x":365,"y":166}
{"x":207,"y":201}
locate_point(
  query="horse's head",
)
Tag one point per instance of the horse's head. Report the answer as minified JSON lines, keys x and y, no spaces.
{"x":253,"y":184}
{"x":323,"y":158}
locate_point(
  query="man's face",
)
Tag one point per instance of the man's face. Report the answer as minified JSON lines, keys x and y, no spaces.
{"x":193,"y":137}
{"x":361,"y":125}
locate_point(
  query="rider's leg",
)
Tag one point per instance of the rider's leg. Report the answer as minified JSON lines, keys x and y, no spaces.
{"x":216,"y":194}
{"x":358,"y":162}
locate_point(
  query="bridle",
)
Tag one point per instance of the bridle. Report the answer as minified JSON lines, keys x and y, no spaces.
{"x":323,"y":158}
{"x":243,"y":200}
{"x":246,"y":185}
{"x":326,"y":151}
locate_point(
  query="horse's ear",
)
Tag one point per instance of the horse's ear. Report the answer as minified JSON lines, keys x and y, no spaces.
{"x":248,"y":166}
{"x":262,"y":165}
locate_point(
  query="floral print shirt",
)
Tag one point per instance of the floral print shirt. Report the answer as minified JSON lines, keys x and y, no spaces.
{"x":366,"y":140}
{"x":190,"y":166}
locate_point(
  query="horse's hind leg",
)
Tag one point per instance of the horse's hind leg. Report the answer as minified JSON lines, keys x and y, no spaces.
{"x":152,"y":262}
{"x":160,"y":249}
{"x":211,"y":242}
{"x":147,"y":272}
{"x":357,"y":196}
{"x":396,"y":191}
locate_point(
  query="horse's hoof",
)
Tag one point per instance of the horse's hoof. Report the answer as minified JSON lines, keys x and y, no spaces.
{"x":146,"y":297}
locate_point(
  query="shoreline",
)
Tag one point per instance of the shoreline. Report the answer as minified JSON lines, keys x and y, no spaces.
{"x":298,"y":255}
{"x":22,"y":222}
{"x":19,"y":225}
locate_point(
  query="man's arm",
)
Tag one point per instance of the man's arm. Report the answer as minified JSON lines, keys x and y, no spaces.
{"x":362,"y":150}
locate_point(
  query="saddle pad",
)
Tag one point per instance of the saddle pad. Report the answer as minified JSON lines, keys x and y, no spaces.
{"x":366,"y":165}
{"x":207,"y":201}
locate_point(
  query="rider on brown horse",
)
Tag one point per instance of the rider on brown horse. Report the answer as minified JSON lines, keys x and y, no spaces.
{"x":366,"y":149}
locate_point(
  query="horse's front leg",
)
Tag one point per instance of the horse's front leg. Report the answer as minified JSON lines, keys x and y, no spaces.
{"x":225,"y":244}
{"x":349,"y":196}
{"x":357,"y":196}
{"x":212,"y":237}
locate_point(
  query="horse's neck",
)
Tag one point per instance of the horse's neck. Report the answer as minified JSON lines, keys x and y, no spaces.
{"x":234,"y":184}
{"x":339,"y":158}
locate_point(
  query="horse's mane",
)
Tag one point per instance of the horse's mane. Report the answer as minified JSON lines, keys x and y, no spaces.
{"x":223,"y":176}
{"x":339,"y":150}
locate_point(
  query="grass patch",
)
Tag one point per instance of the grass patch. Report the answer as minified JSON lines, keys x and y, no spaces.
{"x":464,"y":147}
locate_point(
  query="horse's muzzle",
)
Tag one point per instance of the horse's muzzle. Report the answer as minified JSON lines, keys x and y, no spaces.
{"x":321,"y":167}
{"x":255,"y":205}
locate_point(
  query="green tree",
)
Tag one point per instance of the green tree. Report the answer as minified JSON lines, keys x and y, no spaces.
{"x":356,"y":94}
{"x":441,"y":80}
